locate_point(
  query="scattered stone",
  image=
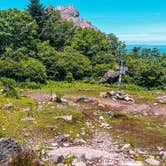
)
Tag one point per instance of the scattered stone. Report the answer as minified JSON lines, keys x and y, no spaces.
{"x":53,"y":98}
{"x":152,"y":161}
{"x":84,"y":100}
{"x":54,"y":144}
{"x":59,"y":159}
{"x":101,"y":118}
{"x":155,"y":104}
{"x":64,"y":101}
{"x":126,"y":146}
{"x":66,"y":144}
{"x":105,"y":125}
{"x":61,"y":106}
{"x":162,"y":99}
{"x":28,"y":119}
{"x":67,"y":118}
{"x":111,"y":114}
{"x":1,"y":91}
{"x":63,"y":138}
{"x":78,"y":163}
{"x":163,"y":153}
{"x":100,"y":141}
{"x":131,"y":163}
{"x":8,"y":106}
{"x":101,"y":106}
{"x":79,"y":141}
{"x":103,"y":94}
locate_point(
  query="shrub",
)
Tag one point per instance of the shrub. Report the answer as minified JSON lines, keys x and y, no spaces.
{"x":9,"y":87}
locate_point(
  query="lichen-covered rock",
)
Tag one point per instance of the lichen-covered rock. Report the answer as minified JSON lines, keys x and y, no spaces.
{"x":9,"y":149}
{"x":12,"y":153}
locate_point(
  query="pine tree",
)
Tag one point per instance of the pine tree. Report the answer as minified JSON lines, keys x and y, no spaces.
{"x":37,"y":12}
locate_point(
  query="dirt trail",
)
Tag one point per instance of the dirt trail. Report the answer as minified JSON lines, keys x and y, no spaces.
{"x":145,"y":109}
{"x":101,"y":152}
{"x":132,"y":108}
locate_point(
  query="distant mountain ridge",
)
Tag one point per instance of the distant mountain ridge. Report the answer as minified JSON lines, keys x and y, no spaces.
{"x":70,"y":13}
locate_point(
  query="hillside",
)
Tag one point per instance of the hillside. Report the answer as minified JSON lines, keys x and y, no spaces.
{"x":59,"y":103}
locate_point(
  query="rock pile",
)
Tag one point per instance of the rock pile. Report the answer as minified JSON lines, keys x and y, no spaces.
{"x":119,"y":95}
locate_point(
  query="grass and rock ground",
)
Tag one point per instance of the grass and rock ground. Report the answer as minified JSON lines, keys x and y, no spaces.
{"x":102,"y":131}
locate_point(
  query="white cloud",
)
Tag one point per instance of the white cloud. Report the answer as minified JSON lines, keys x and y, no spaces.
{"x":143,"y":38}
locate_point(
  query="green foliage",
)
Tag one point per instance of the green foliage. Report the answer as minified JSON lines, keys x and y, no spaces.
{"x":69,"y":77}
{"x":89,"y":42}
{"x":115,"y":46}
{"x":74,"y":62}
{"x":1,"y":133}
{"x":30,"y":85}
{"x":146,"y":72}
{"x":36,"y":45}
{"x":68,"y":160}
{"x":36,"y":10}
{"x":9,"y":87}
{"x":56,"y":31}
{"x":17,"y":29}
{"x":34,"y":70}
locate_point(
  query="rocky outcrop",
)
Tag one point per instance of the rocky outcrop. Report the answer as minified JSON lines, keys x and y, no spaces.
{"x":70,"y":13}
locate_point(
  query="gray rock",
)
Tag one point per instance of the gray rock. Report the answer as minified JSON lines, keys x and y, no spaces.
{"x":79,"y":141}
{"x":111,"y":114}
{"x":110,"y":75}
{"x":9,"y":149}
{"x":152,"y":161}
{"x":7,"y":106}
{"x":28,"y":119}
{"x":70,"y":13}
{"x":126,"y":146}
{"x":1,"y":91}
{"x":84,"y":100}
{"x":67,"y":118}
{"x":101,"y":106}
{"x":162,"y":99}
{"x":131,"y":163}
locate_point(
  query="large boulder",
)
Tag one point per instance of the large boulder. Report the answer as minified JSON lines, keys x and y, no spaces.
{"x":111,"y":75}
{"x":8,"y":150}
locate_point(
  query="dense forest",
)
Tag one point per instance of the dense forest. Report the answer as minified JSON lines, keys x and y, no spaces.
{"x":36,"y":45}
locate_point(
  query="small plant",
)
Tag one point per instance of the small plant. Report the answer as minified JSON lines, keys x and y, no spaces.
{"x":30,"y":110}
{"x":69,"y":77}
{"x":68,"y":160}
{"x":1,"y":133}
{"x":41,"y":150}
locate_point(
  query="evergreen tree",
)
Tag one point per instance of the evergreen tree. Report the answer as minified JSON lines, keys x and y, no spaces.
{"x":37,"y":12}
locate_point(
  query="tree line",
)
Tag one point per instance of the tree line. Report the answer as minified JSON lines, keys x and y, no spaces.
{"x":36,"y":45}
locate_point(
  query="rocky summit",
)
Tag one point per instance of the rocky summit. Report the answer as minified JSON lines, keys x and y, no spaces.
{"x":70,"y":13}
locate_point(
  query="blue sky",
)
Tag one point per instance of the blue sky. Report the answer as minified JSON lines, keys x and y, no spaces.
{"x":134,"y":21}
